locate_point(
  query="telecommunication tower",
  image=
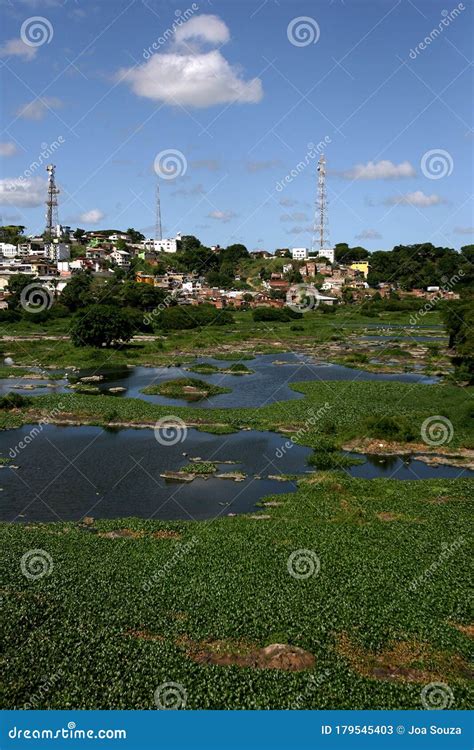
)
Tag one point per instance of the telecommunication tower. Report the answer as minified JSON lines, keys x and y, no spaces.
{"x":51,"y":201}
{"x":158,"y":229}
{"x":320,"y":242}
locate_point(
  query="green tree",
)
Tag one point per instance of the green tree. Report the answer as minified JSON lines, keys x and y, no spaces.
{"x":134,"y":236}
{"x":78,"y":293}
{"x":102,"y":325}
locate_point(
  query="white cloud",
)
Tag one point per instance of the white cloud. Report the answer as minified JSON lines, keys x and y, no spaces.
{"x":92,"y":217}
{"x":380,"y":170}
{"x":300,"y":230}
{"x":295,"y":216}
{"x":191,"y":191}
{"x":223,"y":216}
{"x":17,"y":48}
{"x":37,"y":109}
{"x":418,"y":198}
{"x":287,"y":202}
{"x":368,"y":234}
{"x":190,"y":77}
{"x":464,"y":230}
{"x":206,"y":28}
{"x":8,"y":148}
{"x":22,"y":192}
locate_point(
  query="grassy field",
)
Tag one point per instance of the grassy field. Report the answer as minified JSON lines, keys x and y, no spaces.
{"x":184,"y":602}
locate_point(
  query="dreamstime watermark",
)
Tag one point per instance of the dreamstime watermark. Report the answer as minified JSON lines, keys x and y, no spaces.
{"x":170,"y":163}
{"x":447,"y":551}
{"x":151,"y":316}
{"x":313,"y":684}
{"x":35,"y":431}
{"x":45,"y":154}
{"x":448,"y":285}
{"x":303,"y":31}
{"x":436,"y":164}
{"x":47,"y":684}
{"x":437,"y":696}
{"x":170,"y":696}
{"x":314,"y":150}
{"x":36,"y":563}
{"x":181,"y":552}
{"x":437,"y":430}
{"x":170,"y":430}
{"x":303,"y":564}
{"x":36,"y":31}
{"x":36,"y":298}
{"x":181,"y":17}
{"x":447,"y":18}
{"x":315,"y":416}
{"x":302,"y":297}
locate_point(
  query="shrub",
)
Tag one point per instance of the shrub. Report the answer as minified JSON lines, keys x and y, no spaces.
{"x":277,"y":314}
{"x":185,"y":317}
{"x":102,"y":325}
{"x":390,"y":428}
{"x":14,"y":401}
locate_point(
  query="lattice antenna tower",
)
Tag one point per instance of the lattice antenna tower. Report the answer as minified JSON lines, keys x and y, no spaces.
{"x":52,"y":200}
{"x":320,"y":242}
{"x":158,"y":229}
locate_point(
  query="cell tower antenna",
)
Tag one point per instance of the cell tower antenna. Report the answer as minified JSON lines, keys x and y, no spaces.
{"x":320,"y":242}
{"x":158,"y":229}
{"x":51,"y":201}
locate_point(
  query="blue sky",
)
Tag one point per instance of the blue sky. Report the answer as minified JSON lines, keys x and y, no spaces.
{"x":239,"y":89}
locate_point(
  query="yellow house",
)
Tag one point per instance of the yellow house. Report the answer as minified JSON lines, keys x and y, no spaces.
{"x":362,"y":266}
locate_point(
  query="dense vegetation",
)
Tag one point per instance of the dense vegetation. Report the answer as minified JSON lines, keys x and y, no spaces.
{"x":118,"y":617}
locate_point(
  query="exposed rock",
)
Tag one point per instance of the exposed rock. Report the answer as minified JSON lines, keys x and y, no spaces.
{"x":178,"y":476}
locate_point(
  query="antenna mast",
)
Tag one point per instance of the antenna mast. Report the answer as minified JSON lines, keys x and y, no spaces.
{"x":51,"y":201}
{"x":320,"y":242}
{"x":158,"y":230}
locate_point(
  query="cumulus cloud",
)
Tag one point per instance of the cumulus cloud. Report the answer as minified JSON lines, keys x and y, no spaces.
{"x":22,"y":192}
{"x":8,"y":148}
{"x":189,"y":76}
{"x":295,"y":216}
{"x":205,"y":28}
{"x":379,"y":170}
{"x":92,"y":217}
{"x":18,"y":48}
{"x":299,"y":230}
{"x":418,"y":198}
{"x":287,"y":202}
{"x":223,"y":216}
{"x":368,"y":234}
{"x":37,"y":109}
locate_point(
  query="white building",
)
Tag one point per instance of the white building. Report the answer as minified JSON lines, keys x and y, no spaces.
{"x":8,"y":250}
{"x":299,"y":253}
{"x":120,"y":257}
{"x":328,"y":253}
{"x":163,"y":246}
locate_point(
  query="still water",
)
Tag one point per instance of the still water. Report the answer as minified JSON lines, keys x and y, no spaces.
{"x":65,"y":473}
{"x":272,"y":374}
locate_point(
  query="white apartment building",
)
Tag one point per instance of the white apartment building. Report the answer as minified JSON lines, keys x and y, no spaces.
{"x":8,"y":250}
{"x":299,"y":253}
{"x":120,"y":257}
{"x":163,"y":246}
{"x":58,"y":251}
{"x":328,"y":253}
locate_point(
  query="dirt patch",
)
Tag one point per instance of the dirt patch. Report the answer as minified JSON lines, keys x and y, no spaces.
{"x":121,"y":534}
{"x":466,"y":629}
{"x":242,"y":654}
{"x":387,"y":516}
{"x":165,"y":534}
{"x":461,"y":457}
{"x":404,"y":661}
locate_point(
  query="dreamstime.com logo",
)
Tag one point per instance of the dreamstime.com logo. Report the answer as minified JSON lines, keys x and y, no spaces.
{"x":314,"y":150}
{"x":181,"y":17}
{"x":437,"y":430}
{"x":302,"y":298}
{"x":36,"y":563}
{"x":170,"y":696}
{"x":303,"y":31}
{"x":436,"y":164}
{"x":36,"y":31}
{"x":437,"y":696}
{"x":303,"y":564}
{"x":170,"y":164}
{"x":170,"y":430}
{"x":36,"y":298}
